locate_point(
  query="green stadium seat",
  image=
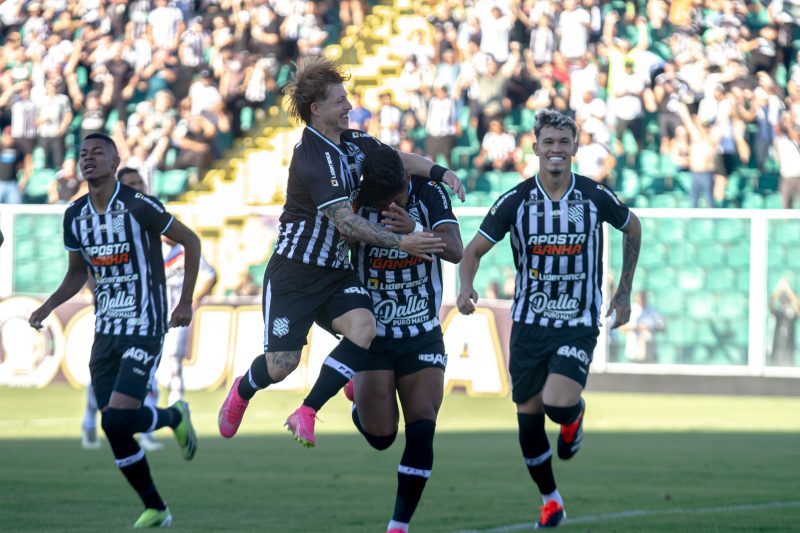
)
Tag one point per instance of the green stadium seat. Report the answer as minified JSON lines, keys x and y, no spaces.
{"x":663,"y":278}
{"x":649,"y":162}
{"x":664,"y":200}
{"x":653,"y":256}
{"x":773,"y":201}
{"x":39,"y":158}
{"x":712,"y":255}
{"x":721,"y":279}
{"x":38,"y":185}
{"x":733,"y":305}
{"x":509,"y":180}
{"x":752,"y":200}
{"x":731,"y":230}
{"x":738,"y":255}
{"x":700,"y":230}
{"x":667,"y":301}
{"x":170,"y":183}
{"x":691,"y":278}
{"x":784,"y":231}
{"x":681,"y":331}
{"x":793,"y":257}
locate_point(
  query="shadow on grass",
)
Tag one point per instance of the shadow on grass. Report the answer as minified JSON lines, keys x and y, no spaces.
{"x":269,"y":483}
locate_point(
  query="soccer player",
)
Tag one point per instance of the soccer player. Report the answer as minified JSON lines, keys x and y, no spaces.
{"x":309,"y":277}
{"x":555,"y":219}
{"x":89,"y":441}
{"x":407,"y":356}
{"x":116,"y":231}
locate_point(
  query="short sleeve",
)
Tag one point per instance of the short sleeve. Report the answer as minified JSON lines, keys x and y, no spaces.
{"x":611,"y":209}
{"x":151,"y":214}
{"x":70,"y":239}
{"x":501,"y":216}
{"x":437,"y":202}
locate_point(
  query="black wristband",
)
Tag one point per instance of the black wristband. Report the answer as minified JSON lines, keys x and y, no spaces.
{"x":437,"y":172}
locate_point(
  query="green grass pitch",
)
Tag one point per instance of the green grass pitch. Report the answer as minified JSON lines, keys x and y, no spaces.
{"x":648,"y":463}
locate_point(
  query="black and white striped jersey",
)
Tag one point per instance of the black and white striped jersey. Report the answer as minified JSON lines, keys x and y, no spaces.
{"x":123,"y":250}
{"x":321,"y":173}
{"x":406,"y":290}
{"x":557,"y":249}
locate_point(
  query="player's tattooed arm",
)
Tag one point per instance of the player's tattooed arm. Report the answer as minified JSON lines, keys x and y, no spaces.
{"x":631,"y":243}
{"x":354,"y":227}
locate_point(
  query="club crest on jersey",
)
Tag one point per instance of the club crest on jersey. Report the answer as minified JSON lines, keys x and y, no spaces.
{"x":117,"y":224}
{"x":280,"y":326}
{"x":575,"y":214}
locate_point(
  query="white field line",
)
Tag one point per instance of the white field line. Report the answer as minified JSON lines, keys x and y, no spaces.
{"x":591,"y":519}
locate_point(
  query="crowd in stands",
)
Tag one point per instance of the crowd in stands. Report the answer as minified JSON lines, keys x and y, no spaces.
{"x":697,"y":99}
{"x":173,"y":81}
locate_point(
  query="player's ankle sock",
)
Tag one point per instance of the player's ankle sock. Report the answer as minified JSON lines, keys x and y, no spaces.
{"x":130,"y":458}
{"x":339,"y":368}
{"x":553,"y":496}
{"x":138,"y":475}
{"x":415,"y":468}
{"x":536,"y":451}
{"x":146,"y":418}
{"x":394,"y":524}
{"x":255,"y":379}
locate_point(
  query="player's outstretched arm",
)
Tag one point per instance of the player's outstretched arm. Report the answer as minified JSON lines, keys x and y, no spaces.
{"x":416,"y":165}
{"x":631,"y":243}
{"x":467,"y":269}
{"x":354,"y":227}
{"x":178,"y":232}
{"x":73,"y":280}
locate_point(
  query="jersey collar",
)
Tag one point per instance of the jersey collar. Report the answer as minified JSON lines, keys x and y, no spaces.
{"x":566,"y":193}
{"x":110,"y":201}
{"x":321,"y":136}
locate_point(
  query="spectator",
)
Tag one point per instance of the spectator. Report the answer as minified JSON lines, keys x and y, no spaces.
{"x":165,"y":26}
{"x":573,"y":27}
{"x":66,"y":185}
{"x":640,"y":331}
{"x":359,"y":116}
{"x":53,"y":118}
{"x":23,"y":123}
{"x":594,"y":160}
{"x":497,"y":149}
{"x":702,"y":153}
{"x":11,"y":186}
{"x":203,"y":94}
{"x":389,"y":116}
{"x":441,"y":125}
{"x":626,"y":105}
{"x":787,"y":149}
{"x":785,"y":307}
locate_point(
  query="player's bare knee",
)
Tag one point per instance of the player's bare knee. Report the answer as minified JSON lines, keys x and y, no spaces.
{"x":361,"y":329}
{"x":281,"y":364}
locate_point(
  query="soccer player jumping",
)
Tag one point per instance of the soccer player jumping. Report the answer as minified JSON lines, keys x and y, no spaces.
{"x":407,"y":357}
{"x":309,"y":277}
{"x":555,"y":220}
{"x":117,"y":232}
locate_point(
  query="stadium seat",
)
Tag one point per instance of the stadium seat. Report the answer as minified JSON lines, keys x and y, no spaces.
{"x":784,"y":231}
{"x":731,"y":230}
{"x":38,"y":185}
{"x":721,"y":279}
{"x":691,"y":278}
{"x":700,"y":230}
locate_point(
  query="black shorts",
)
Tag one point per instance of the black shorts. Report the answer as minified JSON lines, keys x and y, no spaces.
{"x":123,"y":363}
{"x":536,"y":352}
{"x":408,"y":355}
{"x":297,"y":295}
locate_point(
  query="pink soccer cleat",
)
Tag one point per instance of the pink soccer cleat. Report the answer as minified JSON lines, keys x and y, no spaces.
{"x":301,"y":425}
{"x":232,"y":411}
{"x":397,"y":530}
{"x":349,"y":392}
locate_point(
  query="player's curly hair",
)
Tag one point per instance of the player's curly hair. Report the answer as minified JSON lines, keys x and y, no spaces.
{"x":554,"y":119}
{"x":312,"y":82}
{"x":384,"y":176}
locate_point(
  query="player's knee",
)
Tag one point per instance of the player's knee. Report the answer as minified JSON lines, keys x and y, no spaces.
{"x":281,"y":364}
{"x":563,"y":415}
{"x":380,"y":442}
{"x":116,"y":422}
{"x":362,"y":330}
